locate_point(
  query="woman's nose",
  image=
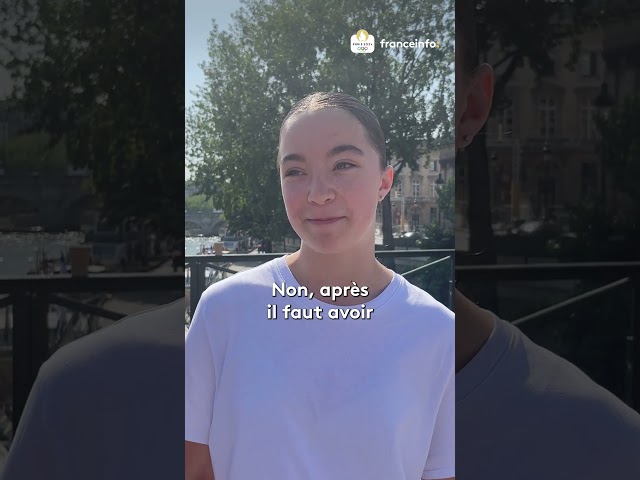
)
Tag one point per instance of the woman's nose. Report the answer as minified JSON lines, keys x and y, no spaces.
{"x":320,"y":191}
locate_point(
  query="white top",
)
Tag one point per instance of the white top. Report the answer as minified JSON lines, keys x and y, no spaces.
{"x":320,"y":399}
{"x":524,"y":413}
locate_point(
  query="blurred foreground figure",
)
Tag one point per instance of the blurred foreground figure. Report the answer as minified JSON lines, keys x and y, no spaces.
{"x":108,"y":406}
{"x":522,"y":412}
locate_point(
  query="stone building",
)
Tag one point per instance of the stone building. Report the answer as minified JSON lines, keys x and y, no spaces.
{"x":414,"y":195}
{"x":541,"y":138}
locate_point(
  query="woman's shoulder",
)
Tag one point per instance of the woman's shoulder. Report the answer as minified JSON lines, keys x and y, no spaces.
{"x":420,"y":302}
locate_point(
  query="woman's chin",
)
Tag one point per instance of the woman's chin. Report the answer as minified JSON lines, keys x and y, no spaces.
{"x":331,"y":247}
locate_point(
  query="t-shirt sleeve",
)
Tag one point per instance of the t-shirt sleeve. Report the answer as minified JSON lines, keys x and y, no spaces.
{"x":31,"y":454}
{"x":199,"y":378}
{"x":441,"y":457}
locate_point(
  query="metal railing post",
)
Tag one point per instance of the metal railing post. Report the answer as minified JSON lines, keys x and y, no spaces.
{"x":635,"y":342}
{"x":452,"y":280}
{"x":30,"y":346}
{"x":198,"y":284}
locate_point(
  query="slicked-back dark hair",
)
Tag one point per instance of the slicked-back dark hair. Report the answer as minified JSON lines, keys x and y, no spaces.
{"x":362,"y":113}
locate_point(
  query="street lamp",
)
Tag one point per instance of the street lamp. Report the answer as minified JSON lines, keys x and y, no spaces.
{"x":603,"y":103}
{"x":546,"y":161}
{"x":402,"y":229}
{"x":439,"y":182}
{"x":546,"y":153}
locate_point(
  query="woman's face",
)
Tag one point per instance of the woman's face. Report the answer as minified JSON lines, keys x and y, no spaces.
{"x":331,"y":180}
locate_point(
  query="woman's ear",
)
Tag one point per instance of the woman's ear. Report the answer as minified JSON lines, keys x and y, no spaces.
{"x":475,"y":105}
{"x":386,"y":183}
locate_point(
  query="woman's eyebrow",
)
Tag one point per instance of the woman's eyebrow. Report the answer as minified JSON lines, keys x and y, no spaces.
{"x":292,"y":157}
{"x":337,"y":150}
{"x":344,"y":148}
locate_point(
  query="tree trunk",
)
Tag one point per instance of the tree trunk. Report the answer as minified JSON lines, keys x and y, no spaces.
{"x":387,"y":231}
{"x":481,"y":240}
{"x":480,"y":232}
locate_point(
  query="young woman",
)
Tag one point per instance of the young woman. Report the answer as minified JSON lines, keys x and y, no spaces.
{"x":322,"y":398}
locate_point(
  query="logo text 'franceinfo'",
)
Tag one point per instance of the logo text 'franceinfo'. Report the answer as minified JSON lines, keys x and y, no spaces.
{"x":362,"y":42}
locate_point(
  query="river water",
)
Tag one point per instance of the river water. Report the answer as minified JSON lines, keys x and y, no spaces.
{"x":193,"y":245}
{"x":18,"y":251}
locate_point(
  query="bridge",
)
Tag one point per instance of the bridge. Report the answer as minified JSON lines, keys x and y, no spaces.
{"x":53,"y":202}
{"x":203,"y":223}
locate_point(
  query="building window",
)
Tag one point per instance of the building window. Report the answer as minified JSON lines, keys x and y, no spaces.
{"x":589,"y":178}
{"x":589,"y":64}
{"x":434,"y":190}
{"x":416,"y":188}
{"x":505,"y":121}
{"x":4,"y":131}
{"x":415,"y":220}
{"x":398,"y":190}
{"x":433,"y":166}
{"x":587,"y":119}
{"x":433,"y":215}
{"x":547,"y":116}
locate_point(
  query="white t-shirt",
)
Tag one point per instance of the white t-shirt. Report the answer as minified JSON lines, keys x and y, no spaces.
{"x":320,"y":399}
{"x":524,"y":413}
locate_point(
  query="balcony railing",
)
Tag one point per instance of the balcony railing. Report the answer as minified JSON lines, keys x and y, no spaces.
{"x":603,"y":302}
{"x":30,"y":296}
{"x":408,"y":200}
{"x":609,"y":310}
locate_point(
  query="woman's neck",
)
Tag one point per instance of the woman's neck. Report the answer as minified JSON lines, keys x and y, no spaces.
{"x":315,"y":270}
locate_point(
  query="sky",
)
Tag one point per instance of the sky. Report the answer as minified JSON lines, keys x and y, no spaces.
{"x":197,"y":18}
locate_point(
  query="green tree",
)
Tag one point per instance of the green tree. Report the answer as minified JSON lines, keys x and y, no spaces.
{"x":33,"y":152}
{"x":100,"y":76}
{"x":198,"y":203}
{"x":297,"y":47}
{"x":619,"y":146}
{"x":446,"y":201}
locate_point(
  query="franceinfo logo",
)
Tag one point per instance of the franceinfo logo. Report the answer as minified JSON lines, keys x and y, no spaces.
{"x":362,"y":42}
{"x":428,"y":43}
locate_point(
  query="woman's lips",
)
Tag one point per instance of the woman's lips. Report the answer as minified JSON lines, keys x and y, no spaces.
{"x":324,"y":221}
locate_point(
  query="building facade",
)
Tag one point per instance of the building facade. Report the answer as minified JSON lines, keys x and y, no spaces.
{"x":414,"y":194}
{"x":541,"y":138}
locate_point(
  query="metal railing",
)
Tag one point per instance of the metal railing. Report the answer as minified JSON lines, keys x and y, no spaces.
{"x":29,"y":297}
{"x":218,"y":266}
{"x":620,"y":278}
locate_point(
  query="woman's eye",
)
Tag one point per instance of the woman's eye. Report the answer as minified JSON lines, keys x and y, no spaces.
{"x":290,"y":173}
{"x":344,"y":165}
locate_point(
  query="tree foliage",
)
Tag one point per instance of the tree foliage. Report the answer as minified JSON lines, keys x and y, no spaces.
{"x":33,"y":152}
{"x":198,"y":203}
{"x":619,"y":145}
{"x":275,"y":53}
{"x":540,"y":29}
{"x":446,"y":200}
{"x":100,"y":75}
